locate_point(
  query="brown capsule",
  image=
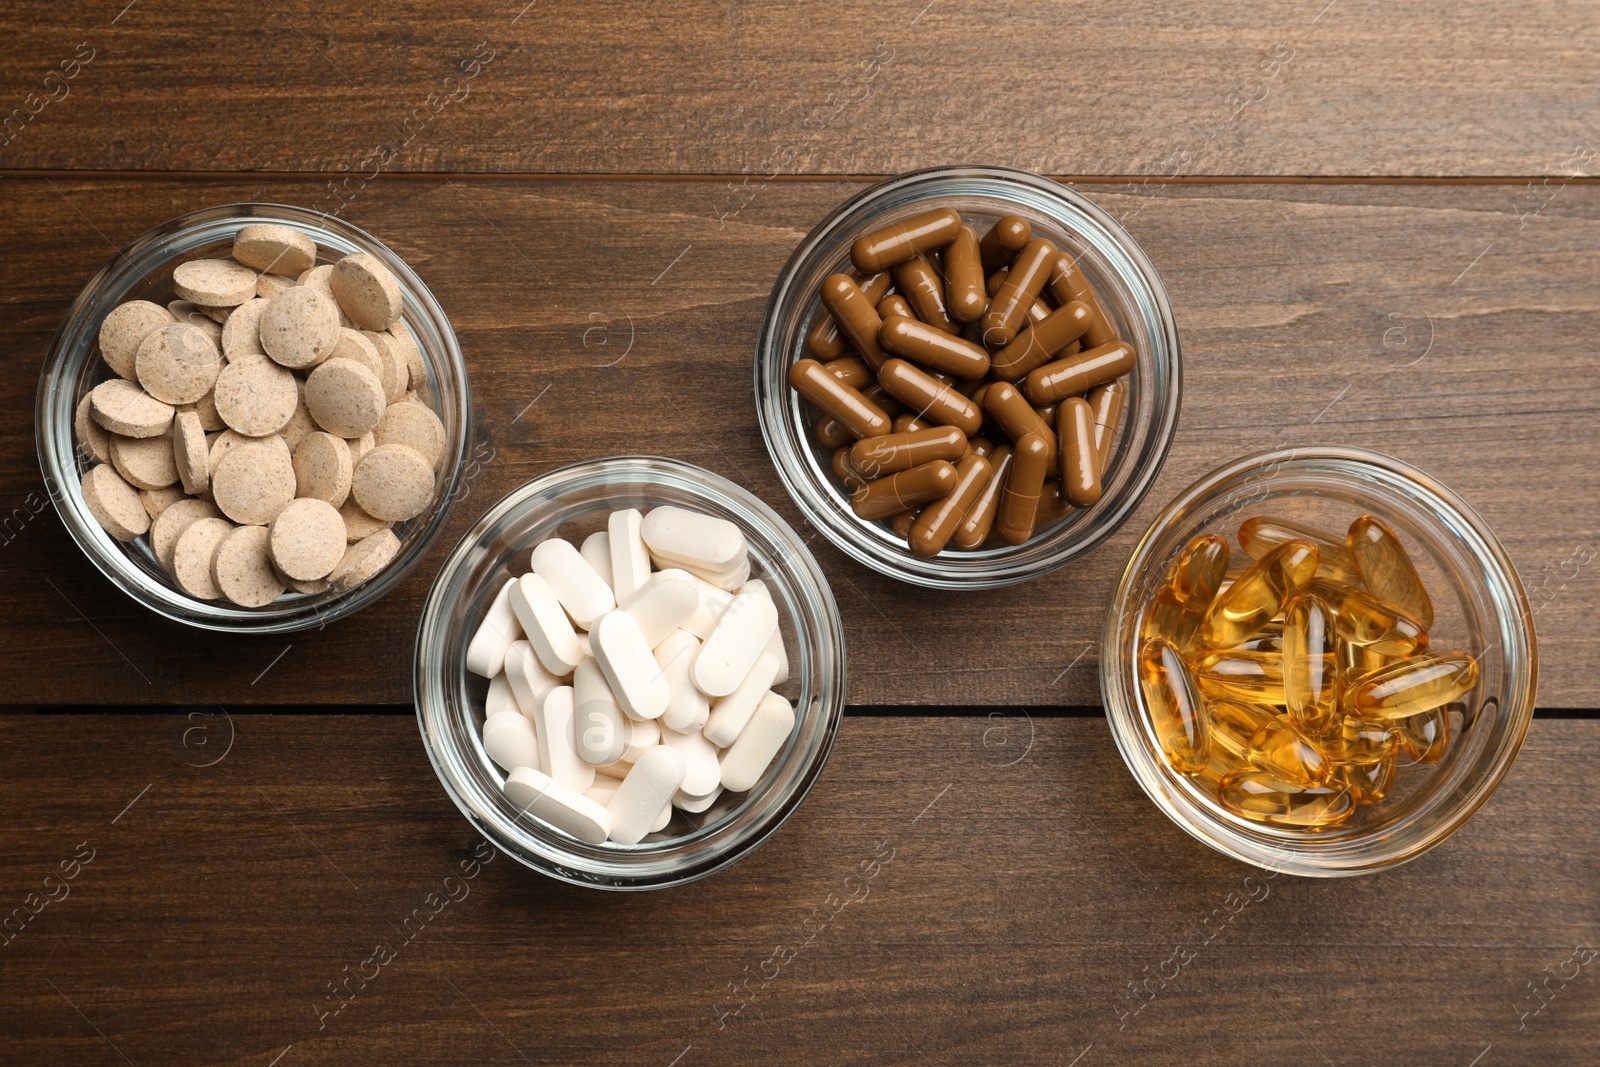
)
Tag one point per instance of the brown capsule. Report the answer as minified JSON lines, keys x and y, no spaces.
{"x":928,"y":397}
{"x":849,"y":406}
{"x":891,"y":407}
{"x":977,"y":396}
{"x":900,"y":241}
{"x":907,"y":423}
{"x":1039,"y":341}
{"x":924,"y":291}
{"x":857,"y":318}
{"x":1053,"y":505}
{"x":824,"y":340}
{"x":1107,"y":402}
{"x":933,"y":348}
{"x":981,"y":446}
{"x":1076,"y":375}
{"x":901,"y":523}
{"x":1067,"y":282}
{"x":992,"y":283}
{"x":876,"y":456}
{"x":1023,"y":282}
{"x":963,"y":277}
{"x":1037,"y":313}
{"x":1047,"y":413}
{"x":1016,"y":418}
{"x":1019,"y":500}
{"x":894,"y":304}
{"x":936,"y":523}
{"x":852,"y":371}
{"x":973,"y":529}
{"x":1005,"y":239}
{"x":903,"y":491}
{"x":1075,"y":428}
{"x":845,"y":471}
{"x":832,"y":434}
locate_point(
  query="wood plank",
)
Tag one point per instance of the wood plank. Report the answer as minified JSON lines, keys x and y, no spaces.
{"x":1028,"y":903}
{"x":1355,"y":87}
{"x":1436,"y":324}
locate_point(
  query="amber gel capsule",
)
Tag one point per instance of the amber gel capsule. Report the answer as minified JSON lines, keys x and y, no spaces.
{"x":1257,"y":795}
{"x":1019,"y":499}
{"x":1386,"y":569}
{"x":936,"y":523}
{"x":1039,"y":342}
{"x":849,"y":406}
{"x":1176,"y":710}
{"x":1067,"y":283}
{"x":933,"y":348}
{"x":1259,"y":535}
{"x":903,"y":491}
{"x":1076,"y":374}
{"x":928,"y":397}
{"x":924,"y":291}
{"x":1107,"y":402}
{"x":895,"y":452}
{"x":824,"y":340}
{"x":1360,"y":741}
{"x":1287,"y":754}
{"x":1008,"y":236}
{"x":1190,"y":584}
{"x":1363,"y":619}
{"x":1413,"y":685}
{"x":963,"y":277}
{"x":1023,"y":283}
{"x":1424,"y":737}
{"x":1310,"y":662}
{"x":1367,"y":783}
{"x":1075,"y":429}
{"x":973,"y":529}
{"x":900,"y":241}
{"x":1259,"y":594}
{"x":1233,"y":724}
{"x":856,"y":315}
{"x":1234,"y":675}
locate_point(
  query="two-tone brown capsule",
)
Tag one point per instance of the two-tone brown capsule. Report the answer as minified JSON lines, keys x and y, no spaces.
{"x":1077,"y":374}
{"x":1025,"y":279}
{"x":934,"y":348}
{"x":1019,"y":498}
{"x":903,"y":240}
{"x":849,"y":407}
{"x":928,"y":397}
{"x":904,"y":491}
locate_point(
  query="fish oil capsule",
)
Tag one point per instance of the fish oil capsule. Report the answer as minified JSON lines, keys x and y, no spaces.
{"x":1234,"y":724}
{"x":1167,"y":618}
{"x":933,"y":347}
{"x":1008,"y":236}
{"x":928,"y":397}
{"x":831,"y":433}
{"x":1107,"y":402}
{"x":900,"y":241}
{"x":1360,"y":741}
{"x":852,"y":371}
{"x":1280,"y":749}
{"x":850,"y":407}
{"x":1358,"y":661}
{"x":1367,"y":783}
{"x":1413,"y":685}
{"x":1039,"y":342}
{"x":1023,"y":282}
{"x":963,"y":277}
{"x":1175,"y":707}
{"x":1258,"y":796}
{"x":1019,"y":498}
{"x":1196,"y":575}
{"x":1077,"y":374}
{"x":973,"y":529}
{"x":1259,"y":594}
{"x":1067,"y":283}
{"x":856,"y":315}
{"x":1261,"y":534}
{"x":1253,"y":676}
{"x":895,"y":452}
{"x":1075,"y":429}
{"x":1386,"y":569}
{"x":923,"y":289}
{"x":892,"y":305}
{"x":1310,"y":664}
{"x":1363,"y":619}
{"x":935,"y":524}
{"x":1424,"y":737}
{"x":904,"y":491}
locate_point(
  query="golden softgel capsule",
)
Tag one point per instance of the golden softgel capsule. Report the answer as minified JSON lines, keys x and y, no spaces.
{"x":1310,"y":662}
{"x":1413,"y":685}
{"x":1175,"y":707}
{"x":1386,"y":569}
{"x":1258,"y":796}
{"x":1259,"y":594}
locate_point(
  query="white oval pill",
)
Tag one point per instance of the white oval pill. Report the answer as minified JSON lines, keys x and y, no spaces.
{"x":733,"y":647}
{"x":731,"y":713}
{"x":630,"y":560}
{"x":486,"y":652}
{"x":536,"y":793}
{"x":775,"y":643}
{"x":630,"y":668}
{"x":508,"y":739}
{"x":693,"y":538}
{"x":713,"y":602}
{"x":599,"y":727}
{"x":701,"y":769}
{"x":546,"y":625}
{"x":604,"y":788}
{"x":646,"y":790}
{"x":642,"y":736}
{"x":687,"y":707}
{"x":558,"y":750}
{"x":528,"y":678}
{"x":597,"y":550}
{"x":500,"y":697}
{"x":663,"y":602}
{"x":731,"y":580}
{"x":662,"y":820}
{"x":747,"y":759}
{"x":695,"y":805}
{"x":584,"y":594}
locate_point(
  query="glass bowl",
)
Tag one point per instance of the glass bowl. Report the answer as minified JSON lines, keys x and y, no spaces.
{"x":1129,"y":289}
{"x":1480,"y":608}
{"x":143,"y":270}
{"x":572,"y":502}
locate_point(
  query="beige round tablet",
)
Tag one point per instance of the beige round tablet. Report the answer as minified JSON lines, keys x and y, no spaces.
{"x":360,"y":446}
{"x":93,"y":441}
{"x":241,"y":334}
{"x":274,"y":248}
{"x":170,"y":524}
{"x":364,"y":559}
{"x":299,"y":327}
{"x":125,"y":327}
{"x":322,"y":468}
{"x":313,"y":586}
{"x":190,"y":315}
{"x":144,"y":462}
{"x":178,"y":364}
{"x":393,"y":373}
{"x":242,"y":568}
{"x":214,"y":282}
{"x":393,"y":482}
{"x":123,"y":407}
{"x":412,"y":424}
{"x":206,"y":408}
{"x":256,"y":396}
{"x":219,"y":316}
{"x":190,"y":453}
{"x":301,"y":422}
{"x":114,"y":503}
{"x":252,"y":483}
{"x":270,"y":285}
{"x":406,"y":344}
{"x":353,"y":344}
{"x":196,"y":547}
{"x":358,"y":525}
{"x":366,"y":291}
{"x":157,"y":501}
{"x":222,"y":443}
{"x":321,"y":279}
{"x":307,"y":539}
{"x":345,"y":398}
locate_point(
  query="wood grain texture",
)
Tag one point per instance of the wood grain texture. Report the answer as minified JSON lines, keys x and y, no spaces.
{"x":1027,"y":890}
{"x":1352,"y":87}
{"x":1432,"y":324}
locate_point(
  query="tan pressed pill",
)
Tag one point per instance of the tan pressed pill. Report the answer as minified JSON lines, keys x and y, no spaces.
{"x":125,"y":327}
{"x":122,"y":407}
{"x":360,"y":446}
{"x":307,"y":539}
{"x":301,"y":422}
{"x":364,"y":559}
{"x":299,"y":327}
{"x":413,"y":425}
{"x":366,"y":290}
{"x":353,"y":344}
{"x":393,"y":483}
{"x":177,"y":364}
{"x":270,"y":285}
{"x":274,"y":248}
{"x":242,"y":568}
{"x":190,"y":452}
{"x":321,"y":279}
{"x":253,"y":482}
{"x":214,"y":283}
{"x":156,"y":501}
{"x":410,"y":354}
{"x":114,"y":503}
{"x":323,"y":468}
{"x":189,"y":314}
{"x":256,"y":397}
{"x":358,"y":525}
{"x":241,"y":334}
{"x":172,"y":522}
{"x":221,"y":444}
{"x":392,"y":370}
{"x":93,"y":440}
{"x":193,"y":553}
{"x":206,"y":408}
{"x":145,"y":462}
{"x":345,"y":398}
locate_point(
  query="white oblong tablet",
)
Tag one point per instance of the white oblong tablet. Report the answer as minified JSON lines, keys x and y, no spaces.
{"x":596,"y":549}
{"x":775,"y":643}
{"x":486,"y":652}
{"x":687,"y":707}
{"x":584,"y":594}
{"x":599,"y":728}
{"x":731,"y":713}
{"x":509,"y":740}
{"x":693,"y":537}
{"x":630,"y":561}
{"x":527,"y":677}
{"x":604,"y":788}
{"x":546,"y":625}
{"x":646,"y":790}
{"x":747,"y":759}
{"x":534,"y":792}
{"x":695,"y":805}
{"x":662,"y":820}
{"x":702,"y":770}
{"x":500,"y":697}
{"x":732,"y":580}
{"x":714,"y":600}
{"x":733,"y":647}
{"x":662,"y":603}
{"x":629,"y":666}
{"x":558,"y":752}
{"x":642,"y":736}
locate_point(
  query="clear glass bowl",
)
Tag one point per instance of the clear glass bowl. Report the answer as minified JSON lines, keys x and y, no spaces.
{"x":143,"y":270}
{"x":573,"y":502}
{"x":1128,"y":287}
{"x":1480,"y":608}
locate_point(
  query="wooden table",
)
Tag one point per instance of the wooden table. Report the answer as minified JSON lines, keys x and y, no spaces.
{"x":1377,"y":226}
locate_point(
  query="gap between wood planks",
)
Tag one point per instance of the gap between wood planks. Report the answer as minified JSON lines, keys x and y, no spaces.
{"x":878,"y":711}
